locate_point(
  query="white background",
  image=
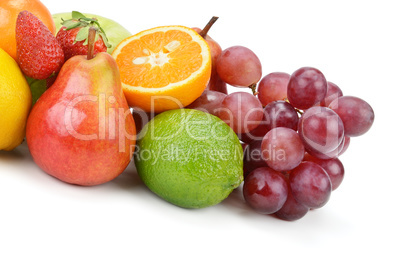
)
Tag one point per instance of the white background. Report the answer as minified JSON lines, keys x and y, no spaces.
{"x":356,"y":44}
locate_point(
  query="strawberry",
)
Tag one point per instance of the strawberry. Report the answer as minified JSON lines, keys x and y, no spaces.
{"x":73,"y":36}
{"x":39,"y":55}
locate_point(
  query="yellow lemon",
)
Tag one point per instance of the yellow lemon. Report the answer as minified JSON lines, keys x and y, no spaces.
{"x":15,"y":102}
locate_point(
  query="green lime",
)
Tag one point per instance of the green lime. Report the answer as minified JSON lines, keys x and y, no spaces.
{"x":189,"y":158}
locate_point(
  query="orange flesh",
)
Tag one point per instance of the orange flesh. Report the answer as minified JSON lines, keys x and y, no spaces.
{"x":159,"y":59}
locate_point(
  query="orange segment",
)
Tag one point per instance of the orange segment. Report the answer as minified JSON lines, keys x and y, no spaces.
{"x":163,"y":68}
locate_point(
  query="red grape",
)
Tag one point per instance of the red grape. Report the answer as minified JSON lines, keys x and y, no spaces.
{"x":265,"y":190}
{"x":346,"y":144}
{"x":356,"y":114}
{"x":239,"y":66}
{"x":242,"y":111}
{"x":307,"y":86}
{"x":276,"y":114}
{"x":273,"y":87}
{"x":252,"y":158}
{"x":291,"y":210}
{"x":333,"y":92}
{"x":244,"y":146}
{"x":333,"y":167}
{"x":216,"y":84}
{"x":321,"y":129}
{"x":209,"y":102}
{"x":282,"y":149}
{"x":280,"y":114}
{"x":254,"y":135}
{"x":328,"y":155}
{"x":310,"y":185}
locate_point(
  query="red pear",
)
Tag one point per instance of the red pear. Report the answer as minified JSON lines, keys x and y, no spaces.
{"x":81,"y":130}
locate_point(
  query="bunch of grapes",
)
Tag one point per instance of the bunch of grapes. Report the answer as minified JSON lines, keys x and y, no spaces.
{"x":294,"y":128}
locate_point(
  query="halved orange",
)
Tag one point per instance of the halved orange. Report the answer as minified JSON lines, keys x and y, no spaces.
{"x":163,"y":68}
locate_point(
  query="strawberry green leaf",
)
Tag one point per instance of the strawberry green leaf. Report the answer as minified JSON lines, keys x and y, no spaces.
{"x":71,"y":24}
{"x":89,"y":20}
{"x":105,"y":40}
{"x":82,"y":34}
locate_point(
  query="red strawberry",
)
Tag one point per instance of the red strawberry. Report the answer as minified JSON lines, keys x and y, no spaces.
{"x":73,"y":36}
{"x":39,"y":55}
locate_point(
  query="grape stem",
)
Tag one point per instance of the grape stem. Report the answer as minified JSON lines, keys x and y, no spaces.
{"x":297,"y":110}
{"x":253,"y":88}
{"x":204,"y":31}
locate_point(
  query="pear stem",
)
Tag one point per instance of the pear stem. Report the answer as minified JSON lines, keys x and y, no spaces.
{"x":91,"y":42}
{"x":204,"y":31}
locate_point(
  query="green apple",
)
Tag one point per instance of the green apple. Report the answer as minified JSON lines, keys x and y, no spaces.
{"x":114,"y":31}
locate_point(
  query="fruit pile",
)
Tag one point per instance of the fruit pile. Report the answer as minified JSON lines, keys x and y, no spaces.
{"x":101,"y":86}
